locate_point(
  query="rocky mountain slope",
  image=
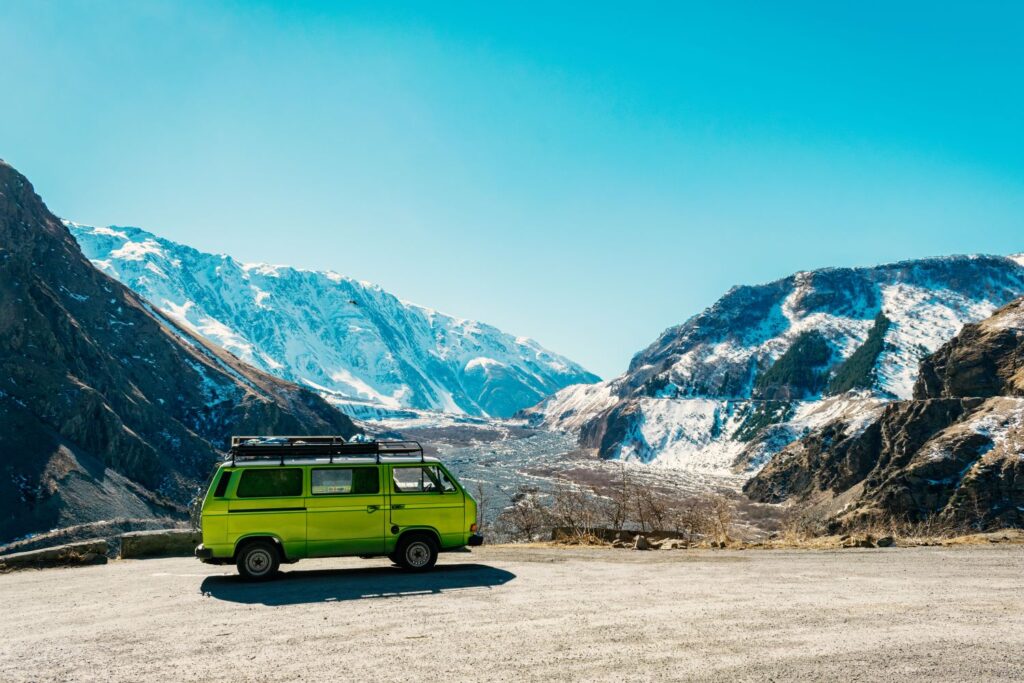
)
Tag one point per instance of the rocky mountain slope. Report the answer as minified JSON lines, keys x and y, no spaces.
{"x":107,"y":408}
{"x":955,"y":452}
{"x":361,"y":347}
{"x":733,"y":385}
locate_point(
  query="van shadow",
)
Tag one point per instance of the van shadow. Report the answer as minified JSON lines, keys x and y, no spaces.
{"x":338,"y":585}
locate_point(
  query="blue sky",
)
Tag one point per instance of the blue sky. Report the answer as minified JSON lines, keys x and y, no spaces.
{"x":586,"y":175}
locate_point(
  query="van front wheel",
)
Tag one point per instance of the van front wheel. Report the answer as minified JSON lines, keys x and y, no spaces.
{"x":417,"y":553}
{"x":258,"y":561}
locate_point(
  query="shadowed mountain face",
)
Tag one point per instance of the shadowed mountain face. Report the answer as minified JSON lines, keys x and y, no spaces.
{"x":106,"y":408}
{"x":955,"y":452}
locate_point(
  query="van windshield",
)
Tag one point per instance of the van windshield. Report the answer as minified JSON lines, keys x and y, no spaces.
{"x":421,"y":479}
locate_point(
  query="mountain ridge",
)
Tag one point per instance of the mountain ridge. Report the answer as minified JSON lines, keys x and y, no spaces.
{"x":691,"y":397}
{"x":349,"y":339}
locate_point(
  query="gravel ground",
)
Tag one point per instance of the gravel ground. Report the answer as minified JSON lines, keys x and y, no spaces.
{"x":515,"y":613}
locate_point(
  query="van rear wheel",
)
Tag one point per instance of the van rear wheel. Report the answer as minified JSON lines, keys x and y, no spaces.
{"x":258,"y":561}
{"x":417,"y":553}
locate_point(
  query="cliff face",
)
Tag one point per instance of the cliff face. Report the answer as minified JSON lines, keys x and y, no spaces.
{"x":106,"y":408}
{"x":955,"y":452}
{"x":986,"y":359}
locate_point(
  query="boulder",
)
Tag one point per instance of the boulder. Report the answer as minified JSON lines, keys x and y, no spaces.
{"x":855,"y":542}
{"x":641,"y":543}
{"x":885,"y":542}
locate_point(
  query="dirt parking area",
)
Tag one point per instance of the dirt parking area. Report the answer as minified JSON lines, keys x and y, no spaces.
{"x":534,"y":614}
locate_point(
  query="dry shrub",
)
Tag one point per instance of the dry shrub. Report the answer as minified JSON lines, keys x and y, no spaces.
{"x":585,"y":515}
{"x":526,"y":519}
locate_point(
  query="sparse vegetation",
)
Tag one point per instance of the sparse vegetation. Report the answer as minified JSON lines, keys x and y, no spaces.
{"x":624,"y":508}
{"x":763,"y":414}
{"x":858,"y":371}
{"x":801,"y":371}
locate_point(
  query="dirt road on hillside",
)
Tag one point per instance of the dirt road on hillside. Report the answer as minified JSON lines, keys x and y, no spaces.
{"x":504,"y":613}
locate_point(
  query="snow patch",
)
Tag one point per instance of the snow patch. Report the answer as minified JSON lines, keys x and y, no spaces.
{"x":137,"y":251}
{"x":483,"y":364}
{"x":110,"y":232}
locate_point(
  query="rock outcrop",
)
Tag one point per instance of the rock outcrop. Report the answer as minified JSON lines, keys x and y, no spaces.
{"x":954,"y":453}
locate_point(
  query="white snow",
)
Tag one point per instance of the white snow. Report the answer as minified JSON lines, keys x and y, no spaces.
{"x":110,"y":232}
{"x":570,"y":408}
{"x":483,"y":364}
{"x":923,"y":319}
{"x":137,"y":251}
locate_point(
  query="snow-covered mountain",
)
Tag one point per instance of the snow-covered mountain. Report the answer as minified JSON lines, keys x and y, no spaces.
{"x":355,"y":343}
{"x":765,"y":364}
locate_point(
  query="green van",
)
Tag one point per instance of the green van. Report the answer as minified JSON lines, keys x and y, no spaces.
{"x":281,"y":499}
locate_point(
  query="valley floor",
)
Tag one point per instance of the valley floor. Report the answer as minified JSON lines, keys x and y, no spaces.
{"x":521,"y":613}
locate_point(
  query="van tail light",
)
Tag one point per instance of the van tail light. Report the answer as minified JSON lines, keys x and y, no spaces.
{"x":472,"y":527}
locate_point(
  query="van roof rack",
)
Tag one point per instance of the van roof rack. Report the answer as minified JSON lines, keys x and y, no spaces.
{"x":281,"y":447}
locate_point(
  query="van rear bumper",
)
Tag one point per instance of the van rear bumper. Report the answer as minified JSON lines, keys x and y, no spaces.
{"x":204,"y":554}
{"x":475,"y":539}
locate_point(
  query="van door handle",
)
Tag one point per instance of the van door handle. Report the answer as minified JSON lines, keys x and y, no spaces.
{"x":372,"y":508}
{"x":398,"y":507}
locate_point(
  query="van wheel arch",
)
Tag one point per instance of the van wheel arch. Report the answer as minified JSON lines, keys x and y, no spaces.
{"x":276,"y":542}
{"x":424,"y":531}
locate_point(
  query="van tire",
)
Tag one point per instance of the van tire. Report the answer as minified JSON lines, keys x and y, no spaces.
{"x":417,"y":552}
{"x":258,"y":560}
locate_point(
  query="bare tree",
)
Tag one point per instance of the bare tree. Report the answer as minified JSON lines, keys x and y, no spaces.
{"x":526,"y":518}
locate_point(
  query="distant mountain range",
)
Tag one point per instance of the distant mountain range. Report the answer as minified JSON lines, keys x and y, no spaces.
{"x":108,"y":408}
{"x":359,"y":346}
{"x":732,"y":386}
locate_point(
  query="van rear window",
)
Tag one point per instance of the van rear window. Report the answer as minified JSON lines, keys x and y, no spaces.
{"x":270,"y":483}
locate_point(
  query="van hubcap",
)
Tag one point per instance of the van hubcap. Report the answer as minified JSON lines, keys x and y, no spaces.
{"x":417,"y":554}
{"x":257,"y":561}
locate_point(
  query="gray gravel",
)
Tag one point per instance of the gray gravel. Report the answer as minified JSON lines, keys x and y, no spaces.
{"x":508,"y":613}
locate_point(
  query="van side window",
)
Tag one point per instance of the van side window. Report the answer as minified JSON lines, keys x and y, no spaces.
{"x":270,"y":483}
{"x":421,"y":479}
{"x":222,"y":484}
{"x":340,"y":481}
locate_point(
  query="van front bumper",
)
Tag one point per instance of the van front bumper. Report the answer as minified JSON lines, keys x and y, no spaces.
{"x":203,"y":553}
{"x":475,"y":539}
